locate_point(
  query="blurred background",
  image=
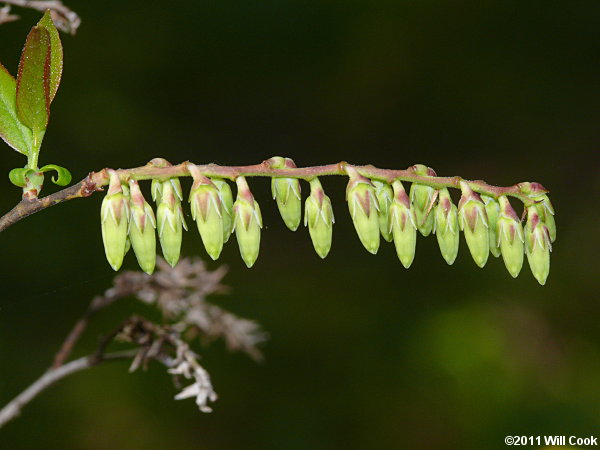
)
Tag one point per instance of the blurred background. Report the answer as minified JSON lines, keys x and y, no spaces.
{"x":363,"y":354}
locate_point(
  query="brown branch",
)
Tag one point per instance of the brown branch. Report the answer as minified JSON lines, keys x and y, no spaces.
{"x":64,"y":18}
{"x":153,"y":170}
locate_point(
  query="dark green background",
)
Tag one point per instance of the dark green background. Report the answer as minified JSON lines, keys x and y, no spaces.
{"x":363,"y":353}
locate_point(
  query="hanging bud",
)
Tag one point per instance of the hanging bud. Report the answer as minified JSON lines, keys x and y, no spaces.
{"x":205,"y":204}
{"x":141,"y":229}
{"x":422,"y":199}
{"x":170,"y":221}
{"x":473,"y":221}
{"x":446,"y":226}
{"x":114,"y":216}
{"x":318,"y":216}
{"x":247,"y":222}
{"x":286,"y":191}
{"x":492,"y":211}
{"x":510,"y":237}
{"x":226,"y":206}
{"x":384,"y":194}
{"x":537,"y":245}
{"x":545,"y":209}
{"x":364,"y":208}
{"x":402,"y":225}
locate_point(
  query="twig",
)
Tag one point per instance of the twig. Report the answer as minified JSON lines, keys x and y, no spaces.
{"x":64,"y":18}
{"x":13,"y":409}
{"x":96,"y":180}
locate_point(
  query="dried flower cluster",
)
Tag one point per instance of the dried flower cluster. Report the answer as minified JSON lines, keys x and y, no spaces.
{"x":378,"y":209}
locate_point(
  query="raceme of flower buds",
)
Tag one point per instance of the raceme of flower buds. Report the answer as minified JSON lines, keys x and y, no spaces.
{"x":537,"y":245}
{"x":247,"y":222}
{"x":473,"y":221}
{"x":545,"y":209}
{"x":205,"y":204}
{"x":492,"y":211}
{"x":141,"y":228}
{"x":402,"y":225}
{"x":226,"y":206}
{"x":318,"y":216}
{"x":446,"y":226}
{"x":286,"y":191}
{"x":114,"y":215}
{"x":423,"y":198}
{"x":510,"y":237}
{"x":385,"y":194}
{"x":170,"y":220}
{"x":364,"y":210}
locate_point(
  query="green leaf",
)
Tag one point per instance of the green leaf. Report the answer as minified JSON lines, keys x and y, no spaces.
{"x":12,"y":131}
{"x":64,"y":176}
{"x":56,"y":52}
{"x":33,"y":82}
{"x":18,"y":176}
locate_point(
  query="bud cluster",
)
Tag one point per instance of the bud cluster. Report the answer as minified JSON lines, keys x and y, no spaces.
{"x":378,"y":209}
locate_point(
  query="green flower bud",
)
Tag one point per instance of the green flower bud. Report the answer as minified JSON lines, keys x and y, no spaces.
{"x":385,"y":194}
{"x":545,"y":209}
{"x":226,"y":206}
{"x":247,"y":222}
{"x":402,"y":225}
{"x":205,"y":204}
{"x":363,"y":206}
{"x":492,"y":211}
{"x":141,"y":229}
{"x":114,"y":216}
{"x":537,"y":245}
{"x":423,"y":198}
{"x":446,"y":226}
{"x":170,"y":220}
{"x":510,"y":237}
{"x":286,"y":191}
{"x":318,"y":216}
{"x":473,"y":221}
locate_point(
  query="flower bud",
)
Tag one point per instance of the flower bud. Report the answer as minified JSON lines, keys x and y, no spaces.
{"x":545,"y":209}
{"x":363,"y":206}
{"x":473,"y":221}
{"x":537,"y":245}
{"x":141,"y":229}
{"x":402,"y":225}
{"x":510,"y":237}
{"x":422,"y":199}
{"x":205,"y":204}
{"x":286,"y":191}
{"x":446,"y":226}
{"x":114,"y":216}
{"x":492,"y":211}
{"x":226,"y":206}
{"x":247,"y":222}
{"x":318,"y":216}
{"x":170,"y":221}
{"x":384,"y":194}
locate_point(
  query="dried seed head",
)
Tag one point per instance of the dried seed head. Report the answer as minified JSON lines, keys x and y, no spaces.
{"x":510,"y":237}
{"x":384,"y":194}
{"x":492,"y":211}
{"x":114,"y":215}
{"x":286,"y":191}
{"x":537,"y":245}
{"x":446,"y":226}
{"x":423,"y":199}
{"x":473,"y":221}
{"x":318,"y":216}
{"x":402,"y":225}
{"x":207,"y":211}
{"x":170,"y":220}
{"x":364,"y":210}
{"x":247,"y":222}
{"x":141,"y":229}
